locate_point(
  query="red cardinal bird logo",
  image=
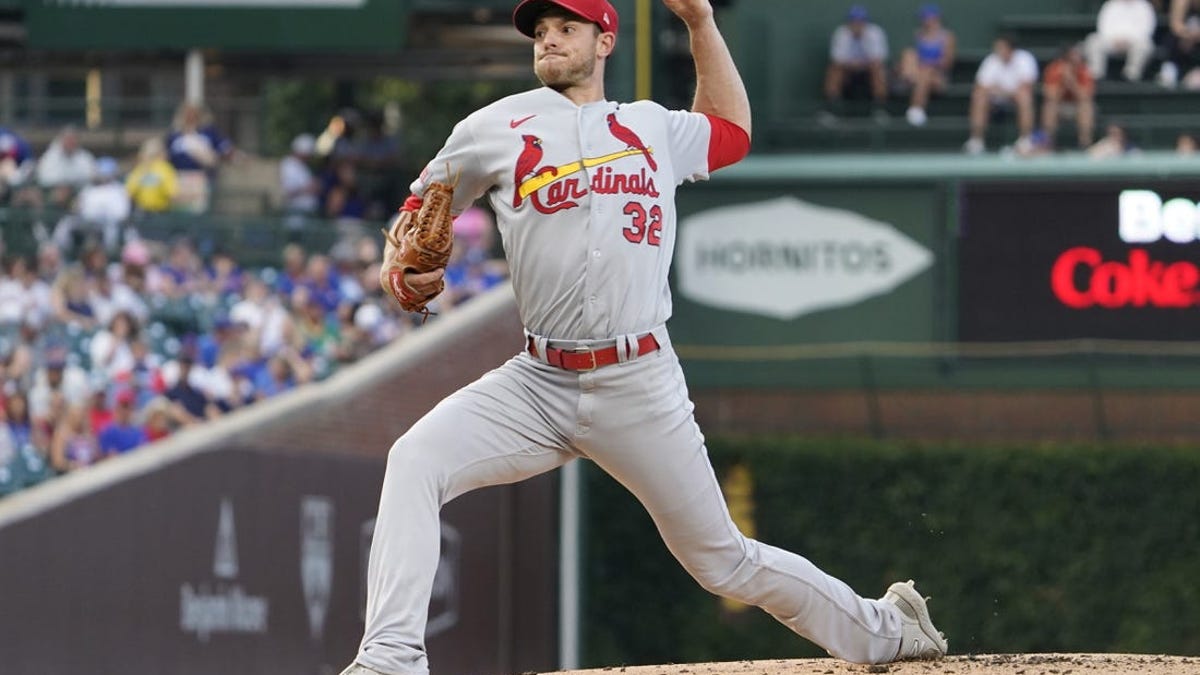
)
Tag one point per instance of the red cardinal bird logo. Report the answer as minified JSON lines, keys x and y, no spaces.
{"x":626,"y":136}
{"x":529,"y":158}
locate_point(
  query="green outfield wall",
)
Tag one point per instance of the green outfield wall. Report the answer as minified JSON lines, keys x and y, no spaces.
{"x":928,"y":271}
{"x":1029,"y":548}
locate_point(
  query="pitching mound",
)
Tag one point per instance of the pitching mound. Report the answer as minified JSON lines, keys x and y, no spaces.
{"x":1000,"y":664}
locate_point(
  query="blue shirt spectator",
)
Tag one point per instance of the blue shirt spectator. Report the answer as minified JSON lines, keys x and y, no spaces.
{"x":120,"y":438}
{"x":122,"y":435}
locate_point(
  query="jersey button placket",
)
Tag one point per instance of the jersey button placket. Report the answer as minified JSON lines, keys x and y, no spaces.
{"x":589,"y":118}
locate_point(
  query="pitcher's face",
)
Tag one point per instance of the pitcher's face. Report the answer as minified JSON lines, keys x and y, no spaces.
{"x":566,"y":50}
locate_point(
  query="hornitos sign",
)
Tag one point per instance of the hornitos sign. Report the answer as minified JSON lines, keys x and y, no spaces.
{"x":785,"y":258}
{"x":222,"y":606}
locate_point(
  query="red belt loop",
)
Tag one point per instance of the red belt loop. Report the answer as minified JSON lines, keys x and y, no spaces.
{"x":588,"y":359}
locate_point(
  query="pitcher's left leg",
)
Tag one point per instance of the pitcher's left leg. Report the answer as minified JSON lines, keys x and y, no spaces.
{"x":648,"y":440}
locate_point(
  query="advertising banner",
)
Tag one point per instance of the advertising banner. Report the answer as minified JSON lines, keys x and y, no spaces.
{"x":787,"y":258}
{"x":255,"y":562}
{"x":1112,"y":260}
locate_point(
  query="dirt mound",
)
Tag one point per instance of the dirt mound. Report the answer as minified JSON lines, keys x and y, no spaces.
{"x":985,"y":664}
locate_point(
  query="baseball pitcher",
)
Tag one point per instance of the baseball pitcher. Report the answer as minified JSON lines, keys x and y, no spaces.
{"x":584,"y":193}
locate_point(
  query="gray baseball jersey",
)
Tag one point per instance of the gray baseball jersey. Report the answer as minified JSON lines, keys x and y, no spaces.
{"x":585,"y":202}
{"x":584,"y":197}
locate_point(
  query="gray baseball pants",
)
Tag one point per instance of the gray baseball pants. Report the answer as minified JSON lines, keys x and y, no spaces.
{"x":634,"y":420}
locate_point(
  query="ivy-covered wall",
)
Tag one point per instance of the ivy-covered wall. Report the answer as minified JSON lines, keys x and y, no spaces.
{"x":1024,"y":548}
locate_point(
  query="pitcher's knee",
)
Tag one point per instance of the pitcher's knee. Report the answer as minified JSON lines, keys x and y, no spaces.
{"x":410,"y":463}
{"x":722,"y":572}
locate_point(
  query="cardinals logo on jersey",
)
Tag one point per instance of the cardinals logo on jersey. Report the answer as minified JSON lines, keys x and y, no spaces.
{"x":529,"y":158}
{"x":553,"y":188}
{"x":625,"y":135}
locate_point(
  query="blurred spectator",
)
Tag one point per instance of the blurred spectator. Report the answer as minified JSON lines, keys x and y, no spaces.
{"x":100,"y":413}
{"x":1185,"y":145}
{"x":270,"y":326}
{"x":122,"y":435}
{"x":16,"y":410}
{"x":926,"y":66}
{"x":225,"y":333}
{"x":145,"y":376}
{"x":857,"y":53}
{"x":341,"y":198}
{"x":283,"y":372}
{"x":323,"y":283}
{"x":16,"y":167}
{"x":1122,"y":27}
{"x":112,"y":348}
{"x":301,"y":190}
{"x":152,"y":184}
{"x":374,"y":148}
{"x":157,"y":424}
{"x":19,"y":358}
{"x":295,"y":263}
{"x":1004,"y":82}
{"x":337,"y":139}
{"x":65,"y":168}
{"x":1115,"y":143}
{"x":355,"y":323}
{"x":49,"y":261}
{"x":74,"y":445}
{"x":190,"y":403}
{"x":224,"y":278}
{"x":111,"y":293}
{"x":1069,"y":90}
{"x":195,"y":148}
{"x":183,"y":268}
{"x":71,"y":301}
{"x":100,"y":211}
{"x":23,"y":296}
{"x":56,"y":376}
{"x":1183,"y":46}
{"x":225,"y":382}
{"x":316,"y":331}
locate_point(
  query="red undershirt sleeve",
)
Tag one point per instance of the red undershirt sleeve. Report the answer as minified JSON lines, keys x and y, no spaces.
{"x":413,"y":203}
{"x":727,"y":144}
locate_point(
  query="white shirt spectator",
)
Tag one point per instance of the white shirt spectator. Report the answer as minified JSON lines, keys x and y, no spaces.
{"x":296,"y":179}
{"x":21,"y":303}
{"x":109,"y":355}
{"x":1122,"y":27}
{"x":1128,"y":20}
{"x":104,"y":204}
{"x":1007,"y":78}
{"x":74,"y":387}
{"x":847,"y":49}
{"x":65,"y":164}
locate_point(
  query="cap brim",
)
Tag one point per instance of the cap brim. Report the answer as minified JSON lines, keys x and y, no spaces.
{"x":526,"y":14}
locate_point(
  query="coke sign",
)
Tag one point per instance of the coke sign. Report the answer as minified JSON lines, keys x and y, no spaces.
{"x":1064,"y":260}
{"x":1136,"y":282}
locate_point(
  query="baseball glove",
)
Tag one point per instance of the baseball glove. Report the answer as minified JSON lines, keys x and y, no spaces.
{"x":419,"y":241}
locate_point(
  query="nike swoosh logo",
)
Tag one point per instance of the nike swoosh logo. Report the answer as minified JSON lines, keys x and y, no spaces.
{"x":513,"y":124}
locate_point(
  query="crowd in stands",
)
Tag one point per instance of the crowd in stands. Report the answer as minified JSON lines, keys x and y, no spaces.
{"x":1006,"y":84}
{"x":110,"y":340}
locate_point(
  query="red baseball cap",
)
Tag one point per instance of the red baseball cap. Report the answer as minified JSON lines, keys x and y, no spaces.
{"x":599,"y":12}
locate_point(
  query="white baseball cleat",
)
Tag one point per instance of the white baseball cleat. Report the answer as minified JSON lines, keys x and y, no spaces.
{"x":359,"y":669}
{"x":918,"y":637}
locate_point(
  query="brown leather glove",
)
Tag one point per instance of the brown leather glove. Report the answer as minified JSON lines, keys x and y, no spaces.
{"x":419,"y":242}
